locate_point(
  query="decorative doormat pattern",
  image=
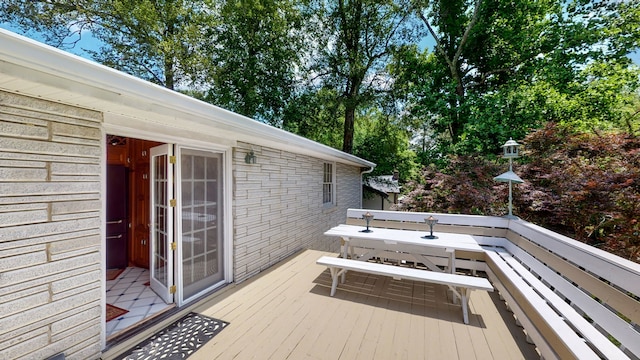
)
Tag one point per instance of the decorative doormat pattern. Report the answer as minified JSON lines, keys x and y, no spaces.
{"x":114,"y":312}
{"x":178,"y":340}
{"x":112,"y":274}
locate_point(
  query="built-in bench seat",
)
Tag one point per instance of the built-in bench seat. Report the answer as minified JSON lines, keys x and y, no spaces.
{"x":572,"y":300}
{"x":460,"y":285}
{"x":534,"y":303}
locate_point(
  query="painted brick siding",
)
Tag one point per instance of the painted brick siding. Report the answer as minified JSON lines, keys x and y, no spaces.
{"x":50,"y":206}
{"x":278,"y":207}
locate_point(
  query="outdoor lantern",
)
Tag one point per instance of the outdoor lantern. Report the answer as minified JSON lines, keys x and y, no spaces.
{"x":510,"y":149}
{"x":250,"y":158}
{"x":430,"y":221}
{"x":510,"y":152}
{"x":367,"y":217}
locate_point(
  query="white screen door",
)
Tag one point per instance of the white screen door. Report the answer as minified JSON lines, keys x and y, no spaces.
{"x":162,"y":208}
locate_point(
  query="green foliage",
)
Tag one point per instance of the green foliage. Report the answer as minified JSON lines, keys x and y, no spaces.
{"x":154,"y":40}
{"x":501,"y":69}
{"x":380,"y":141}
{"x":353,"y":41}
{"x":157,"y":40}
{"x":241,"y":55}
{"x":314,"y":115}
{"x":253,"y":54}
{"x":350,"y":74}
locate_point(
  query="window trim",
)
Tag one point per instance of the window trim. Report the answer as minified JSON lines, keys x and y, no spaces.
{"x":331,"y":184}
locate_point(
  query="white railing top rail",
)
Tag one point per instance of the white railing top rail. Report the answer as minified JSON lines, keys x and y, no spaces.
{"x":445,"y":219}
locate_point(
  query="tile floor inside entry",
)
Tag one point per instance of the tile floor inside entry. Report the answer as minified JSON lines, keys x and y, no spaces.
{"x":128,"y":291}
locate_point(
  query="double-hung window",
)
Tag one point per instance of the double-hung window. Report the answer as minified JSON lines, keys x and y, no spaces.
{"x":328,"y":185}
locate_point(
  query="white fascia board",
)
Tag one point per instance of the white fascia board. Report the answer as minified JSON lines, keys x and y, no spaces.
{"x":30,"y":60}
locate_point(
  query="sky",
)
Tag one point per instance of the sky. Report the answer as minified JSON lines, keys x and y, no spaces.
{"x":88,"y":42}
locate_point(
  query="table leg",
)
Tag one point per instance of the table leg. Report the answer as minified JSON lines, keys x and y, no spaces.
{"x":345,"y":253}
{"x":452,"y":260}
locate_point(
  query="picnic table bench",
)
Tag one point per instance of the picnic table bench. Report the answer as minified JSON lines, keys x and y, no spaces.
{"x":460,"y":285}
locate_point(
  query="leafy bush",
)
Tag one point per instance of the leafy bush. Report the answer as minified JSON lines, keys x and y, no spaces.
{"x":585,"y":186}
{"x":581,"y":185}
{"x":464,"y":186}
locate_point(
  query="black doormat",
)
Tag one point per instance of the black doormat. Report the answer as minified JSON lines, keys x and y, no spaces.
{"x":178,"y":340}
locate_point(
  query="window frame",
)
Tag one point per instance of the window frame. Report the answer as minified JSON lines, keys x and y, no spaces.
{"x":328,"y":184}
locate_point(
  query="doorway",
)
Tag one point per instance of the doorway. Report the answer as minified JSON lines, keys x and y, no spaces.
{"x":130,"y":301}
{"x":128,"y":201}
{"x":173,"y":197}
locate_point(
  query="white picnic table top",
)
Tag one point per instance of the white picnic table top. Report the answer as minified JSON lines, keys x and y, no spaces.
{"x":406,"y":237}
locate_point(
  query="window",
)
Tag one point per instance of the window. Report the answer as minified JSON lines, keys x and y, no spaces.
{"x":328,"y":185}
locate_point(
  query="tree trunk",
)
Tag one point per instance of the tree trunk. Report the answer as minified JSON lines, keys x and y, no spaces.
{"x":169,"y":76}
{"x":349,"y":121}
{"x":456,"y":124}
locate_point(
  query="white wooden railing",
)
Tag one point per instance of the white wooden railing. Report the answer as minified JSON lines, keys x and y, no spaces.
{"x":573,"y":300}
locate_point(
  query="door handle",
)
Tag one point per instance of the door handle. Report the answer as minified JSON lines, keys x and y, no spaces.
{"x":114,"y":222}
{"x":114,"y":236}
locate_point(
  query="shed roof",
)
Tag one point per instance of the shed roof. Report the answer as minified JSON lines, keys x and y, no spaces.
{"x":383,"y":183}
{"x":35,"y":69}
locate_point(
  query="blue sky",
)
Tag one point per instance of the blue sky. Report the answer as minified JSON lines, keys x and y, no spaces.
{"x":88,"y":42}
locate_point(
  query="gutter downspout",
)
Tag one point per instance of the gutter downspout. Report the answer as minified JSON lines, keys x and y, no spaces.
{"x":362,"y":182}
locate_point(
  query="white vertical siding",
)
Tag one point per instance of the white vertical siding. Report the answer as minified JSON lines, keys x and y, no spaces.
{"x":50,"y":272}
{"x":278,"y":207}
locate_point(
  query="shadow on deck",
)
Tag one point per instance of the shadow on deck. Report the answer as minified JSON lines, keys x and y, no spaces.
{"x":287,"y":312}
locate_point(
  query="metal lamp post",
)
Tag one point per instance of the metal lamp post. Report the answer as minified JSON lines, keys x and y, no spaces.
{"x":510,"y":151}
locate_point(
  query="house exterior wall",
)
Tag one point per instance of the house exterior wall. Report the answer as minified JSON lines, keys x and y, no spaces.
{"x":277,"y":206}
{"x":51,"y":215}
{"x":50,"y":229}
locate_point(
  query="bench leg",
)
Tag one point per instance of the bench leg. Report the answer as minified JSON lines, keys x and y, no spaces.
{"x":464,"y":292}
{"x":334,"y":279}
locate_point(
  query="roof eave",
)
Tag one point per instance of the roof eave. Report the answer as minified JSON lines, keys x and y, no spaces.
{"x":117,"y":87}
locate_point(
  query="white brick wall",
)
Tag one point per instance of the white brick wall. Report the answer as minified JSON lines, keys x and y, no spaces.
{"x":50,"y":272}
{"x":278,"y":208}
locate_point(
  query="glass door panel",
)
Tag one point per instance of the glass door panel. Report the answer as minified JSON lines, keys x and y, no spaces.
{"x":161,"y":279}
{"x":201,"y":226}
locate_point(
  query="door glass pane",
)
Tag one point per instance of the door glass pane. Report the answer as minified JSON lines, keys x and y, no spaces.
{"x":160,"y":204}
{"x":201,"y":192}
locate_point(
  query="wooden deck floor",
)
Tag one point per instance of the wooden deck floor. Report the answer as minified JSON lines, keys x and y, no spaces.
{"x":287,"y":313}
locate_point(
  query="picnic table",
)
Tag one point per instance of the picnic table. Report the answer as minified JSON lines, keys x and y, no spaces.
{"x":403,"y":243}
{"x":379,"y":242}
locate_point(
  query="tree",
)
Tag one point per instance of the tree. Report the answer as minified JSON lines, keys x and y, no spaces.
{"x":386,"y":144}
{"x":239,"y":54}
{"x":157,"y":40}
{"x":312,"y":114}
{"x":580,"y":184}
{"x":500,"y":69}
{"x":354,"y":42}
{"x":254,"y":53}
